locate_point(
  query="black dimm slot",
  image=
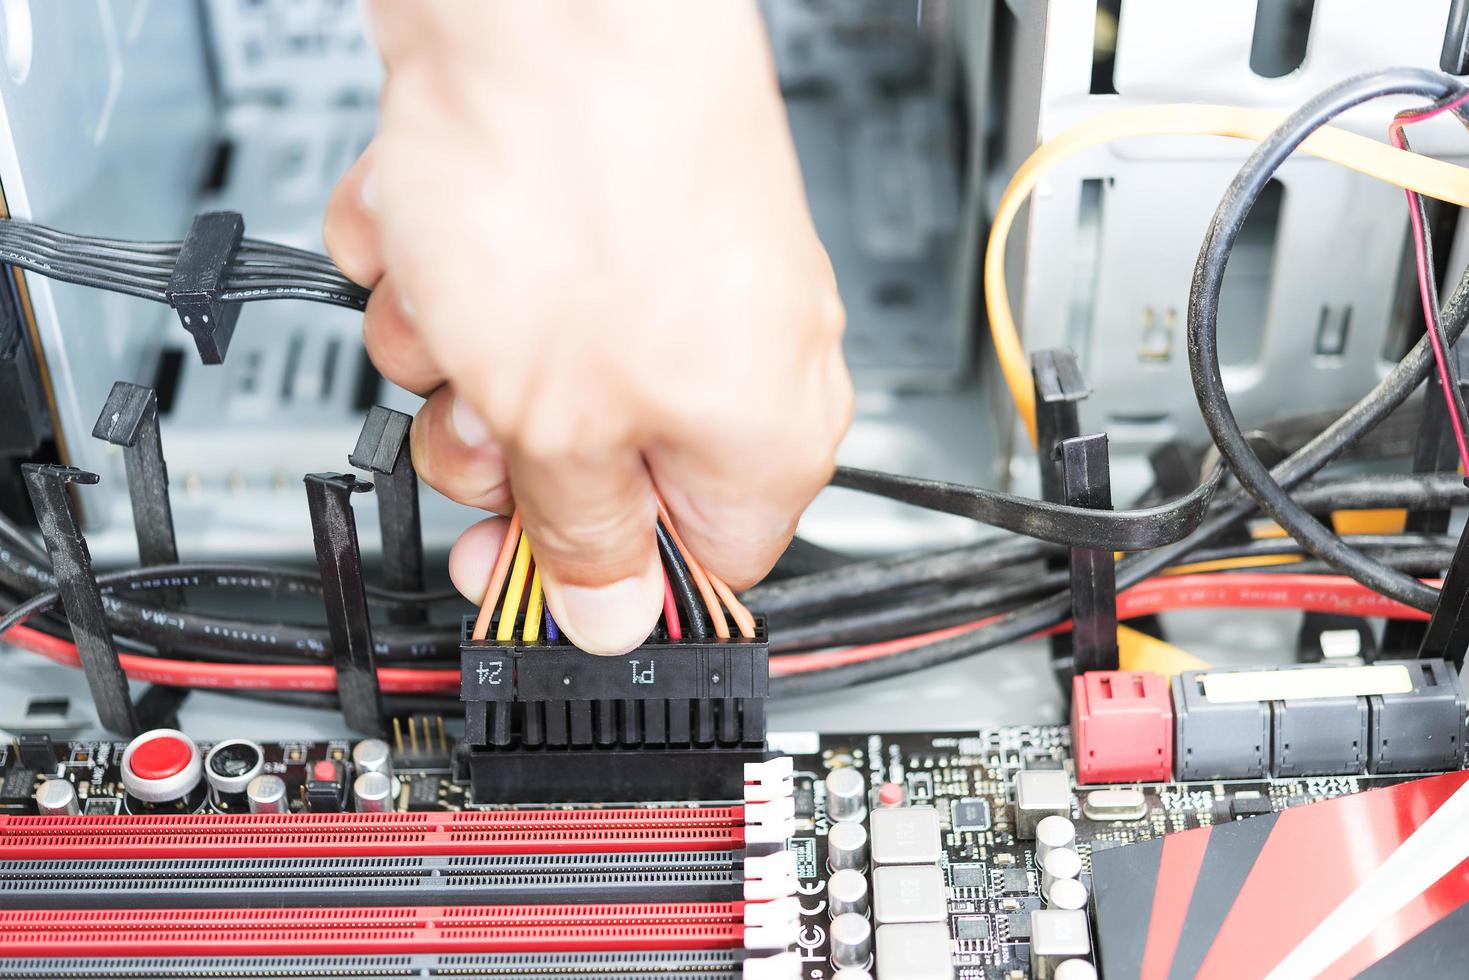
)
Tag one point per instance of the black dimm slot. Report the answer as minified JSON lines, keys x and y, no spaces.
{"x":689,"y":876}
{"x":680,"y":964}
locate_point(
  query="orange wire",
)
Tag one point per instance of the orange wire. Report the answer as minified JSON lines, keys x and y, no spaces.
{"x":497,"y":579}
{"x":737,"y":610}
{"x":711,"y":601}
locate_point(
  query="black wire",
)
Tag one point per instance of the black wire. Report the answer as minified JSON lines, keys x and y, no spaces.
{"x":1331,"y":442}
{"x":1433,"y":314}
{"x":695,"y":616}
{"x":1203,"y":316}
{"x":1077,"y":527}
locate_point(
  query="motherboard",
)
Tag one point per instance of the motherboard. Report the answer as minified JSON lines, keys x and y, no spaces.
{"x":932,"y":838}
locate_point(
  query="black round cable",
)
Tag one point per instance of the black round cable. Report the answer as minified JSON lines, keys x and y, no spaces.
{"x":696,"y":618}
{"x":1203,"y":315}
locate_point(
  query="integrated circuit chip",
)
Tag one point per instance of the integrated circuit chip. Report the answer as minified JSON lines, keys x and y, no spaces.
{"x":971,"y":814}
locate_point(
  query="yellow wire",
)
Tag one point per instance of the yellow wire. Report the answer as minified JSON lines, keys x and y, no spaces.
{"x":1435,"y":178}
{"x":1149,"y":655}
{"x":505,"y":631}
{"x":534,"y":606}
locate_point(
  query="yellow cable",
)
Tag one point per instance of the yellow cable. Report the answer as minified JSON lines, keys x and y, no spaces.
{"x":1435,"y":178}
{"x":534,"y":606}
{"x":505,"y":630}
{"x":1149,"y":655}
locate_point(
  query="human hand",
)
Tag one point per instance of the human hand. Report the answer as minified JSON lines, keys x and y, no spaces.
{"x":591,"y":250}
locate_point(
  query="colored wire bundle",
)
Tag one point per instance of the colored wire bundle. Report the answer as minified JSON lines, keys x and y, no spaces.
{"x":259,"y":271}
{"x":696,"y":603}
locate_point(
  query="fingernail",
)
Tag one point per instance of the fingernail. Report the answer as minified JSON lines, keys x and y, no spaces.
{"x":369,"y":191}
{"x":468,"y":426}
{"x":608,"y":619}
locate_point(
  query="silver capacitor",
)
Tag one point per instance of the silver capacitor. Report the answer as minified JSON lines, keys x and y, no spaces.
{"x":373,"y":755}
{"x":267,"y":794}
{"x":846,"y":794}
{"x":1053,"y":832}
{"x":846,"y":846}
{"x":851,"y":973}
{"x":373,"y":792}
{"x":1067,"y":893}
{"x":57,"y":798}
{"x":1061,"y":863}
{"x":846,"y":891}
{"x":851,"y":940}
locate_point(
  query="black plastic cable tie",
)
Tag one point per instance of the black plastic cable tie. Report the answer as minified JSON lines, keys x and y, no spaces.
{"x":383,"y":449}
{"x":199,"y":278}
{"x":129,"y":419}
{"x":1059,"y":389}
{"x":1435,"y":451}
{"x":1447,"y":636}
{"x":339,"y":558}
{"x":1086,"y":476}
{"x":71,"y":562}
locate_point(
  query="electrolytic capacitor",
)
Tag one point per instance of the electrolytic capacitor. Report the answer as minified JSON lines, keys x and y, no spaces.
{"x":1053,"y":832}
{"x":1067,"y":893}
{"x":846,"y":891}
{"x":1061,"y":863}
{"x":846,"y":846}
{"x":1074,"y":970}
{"x":851,"y":940}
{"x":373,"y":792}
{"x":57,"y":798}
{"x":851,"y":973}
{"x":373,"y":755}
{"x":846,"y":794}
{"x":267,"y":794}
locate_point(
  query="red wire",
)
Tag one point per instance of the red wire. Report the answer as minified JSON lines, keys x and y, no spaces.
{"x":670,"y":610}
{"x":193,"y":673}
{"x":1440,"y":356}
{"x":1252,"y":590}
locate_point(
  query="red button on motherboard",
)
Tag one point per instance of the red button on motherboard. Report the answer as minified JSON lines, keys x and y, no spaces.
{"x":161,"y":757}
{"x":324,"y":770}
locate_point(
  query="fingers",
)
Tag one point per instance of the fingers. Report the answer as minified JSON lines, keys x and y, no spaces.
{"x":350,"y":229}
{"x":472,"y":558}
{"x":736,"y":495}
{"x":456,"y":455}
{"x":394,"y":343}
{"x":589,"y":512}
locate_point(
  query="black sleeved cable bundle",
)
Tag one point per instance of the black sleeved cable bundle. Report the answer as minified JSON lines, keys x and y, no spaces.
{"x":259,"y":270}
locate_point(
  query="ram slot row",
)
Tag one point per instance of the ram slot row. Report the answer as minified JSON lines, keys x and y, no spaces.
{"x":686,"y":964}
{"x":604,"y":928}
{"x":676,"y":876}
{"x":211,"y":835}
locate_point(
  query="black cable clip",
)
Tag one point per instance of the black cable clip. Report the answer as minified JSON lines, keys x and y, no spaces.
{"x":1087,"y":481}
{"x":80,"y":596}
{"x":199,"y":277}
{"x":1434,"y":451}
{"x":339,"y":558}
{"x":1074,"y":470}
{"x":1447,"y":635}
{"x":382,"y":448}
{"x":129,"y":419}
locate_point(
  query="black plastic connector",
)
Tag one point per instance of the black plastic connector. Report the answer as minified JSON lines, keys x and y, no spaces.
{"x":669,"y":720}
{"x":198,"y":279}
{"x":382,"y":449}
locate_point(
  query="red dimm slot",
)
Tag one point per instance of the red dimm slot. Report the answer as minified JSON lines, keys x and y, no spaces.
{"x":325,"y":931}
{"x":371,"y":834}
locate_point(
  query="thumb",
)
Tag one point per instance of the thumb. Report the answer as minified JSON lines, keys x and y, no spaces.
{"x":590,"y":516}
